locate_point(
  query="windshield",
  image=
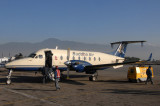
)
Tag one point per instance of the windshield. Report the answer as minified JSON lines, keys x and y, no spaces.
{"x":32,"y":55}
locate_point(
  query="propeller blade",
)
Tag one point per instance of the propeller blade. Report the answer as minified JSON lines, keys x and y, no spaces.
{"x":68,"y":54}
{"x":68,"y":62}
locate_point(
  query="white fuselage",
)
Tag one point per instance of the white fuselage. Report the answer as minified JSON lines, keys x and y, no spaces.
{"x":60,"y":57}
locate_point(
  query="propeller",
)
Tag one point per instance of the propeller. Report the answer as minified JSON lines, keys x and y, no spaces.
{"x":68,"y":63}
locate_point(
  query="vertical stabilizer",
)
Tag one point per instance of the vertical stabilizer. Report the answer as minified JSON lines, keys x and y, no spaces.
{"x":121,"y":50}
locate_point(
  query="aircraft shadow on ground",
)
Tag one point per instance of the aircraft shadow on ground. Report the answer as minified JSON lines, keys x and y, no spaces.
{"x":76,"y":76}
{"x":136,"y":92}
{"x":30,"y":79}
{"x":114,"y":81}
{"x":23,"y":79}
{"x":69,"y":81}
{"x":32,"y":90}
{"x":73,"y":82}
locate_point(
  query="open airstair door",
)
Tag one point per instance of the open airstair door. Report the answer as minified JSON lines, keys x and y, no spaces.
{"x":48,"y":72}
{"x":48,"y":59}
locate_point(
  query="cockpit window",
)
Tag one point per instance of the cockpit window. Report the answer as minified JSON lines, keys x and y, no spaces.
{"x":32,"y":55}
{"x":39,"y":56}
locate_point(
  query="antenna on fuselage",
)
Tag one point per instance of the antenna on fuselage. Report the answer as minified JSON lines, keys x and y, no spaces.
{"x":56,"y":47}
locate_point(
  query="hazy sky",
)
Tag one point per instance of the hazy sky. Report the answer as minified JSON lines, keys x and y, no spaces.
{"x":89,"y":21}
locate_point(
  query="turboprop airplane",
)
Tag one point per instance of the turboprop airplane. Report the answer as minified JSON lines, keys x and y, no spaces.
{"x":79,"y":61}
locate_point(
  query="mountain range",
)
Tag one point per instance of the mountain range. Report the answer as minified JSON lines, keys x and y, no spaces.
{"x":133,"y":50}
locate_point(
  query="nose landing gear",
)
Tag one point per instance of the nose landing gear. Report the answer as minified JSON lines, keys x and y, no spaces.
{"x":9,"y":77}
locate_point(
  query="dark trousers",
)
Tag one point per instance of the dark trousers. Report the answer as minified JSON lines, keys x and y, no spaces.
{"x":149,"y":78}
{"x":57,"y":83}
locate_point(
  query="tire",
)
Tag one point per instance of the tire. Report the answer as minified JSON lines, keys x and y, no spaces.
{"x":94,"y":78}
{"x":90,"y":78}
{"x":8,"y":82}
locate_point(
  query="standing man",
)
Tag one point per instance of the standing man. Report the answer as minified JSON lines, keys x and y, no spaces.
{"x":149,"y":75}
{"x":57,"y":78}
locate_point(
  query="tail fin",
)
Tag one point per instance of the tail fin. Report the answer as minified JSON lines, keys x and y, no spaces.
{"x":150,"y":57}
{"x":121,"y":50}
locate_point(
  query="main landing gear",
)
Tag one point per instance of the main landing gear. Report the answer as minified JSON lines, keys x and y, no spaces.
{"x":9,"y":77}
{"x":93,"y":77}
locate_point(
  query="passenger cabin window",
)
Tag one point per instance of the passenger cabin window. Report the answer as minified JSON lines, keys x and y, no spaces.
{"x":84,"y":58}
{"x":94,"y":58}
{"x":61,"y":57}
{"x":73,"y":58}
{"x":79,"y":58}
{"x":99,"y":59}
{"x":67,"y":58}
{"x":89,"y":58}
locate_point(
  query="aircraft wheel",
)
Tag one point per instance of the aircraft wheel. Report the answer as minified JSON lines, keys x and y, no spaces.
{"x":92,"y":78}
{"x":8,"y":82}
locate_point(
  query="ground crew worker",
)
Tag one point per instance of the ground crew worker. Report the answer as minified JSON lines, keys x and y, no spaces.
{"x":149,"y":75}
{"x":57,"y":77}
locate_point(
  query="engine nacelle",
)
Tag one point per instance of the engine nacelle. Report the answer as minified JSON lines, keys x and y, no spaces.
{"x":78,"y":68}
{"x":79,"y":65}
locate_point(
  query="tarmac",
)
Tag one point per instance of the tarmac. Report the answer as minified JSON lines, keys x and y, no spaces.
{"x":111,"y":89}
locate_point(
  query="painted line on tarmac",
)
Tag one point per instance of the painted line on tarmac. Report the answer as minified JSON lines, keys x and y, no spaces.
{"x":31,"y":97}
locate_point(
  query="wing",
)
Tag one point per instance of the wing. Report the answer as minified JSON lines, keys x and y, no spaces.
{"x":102,"y":66}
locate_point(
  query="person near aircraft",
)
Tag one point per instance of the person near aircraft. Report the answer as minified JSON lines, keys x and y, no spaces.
{"x":57,"y":77}
{"x":149,"y":75}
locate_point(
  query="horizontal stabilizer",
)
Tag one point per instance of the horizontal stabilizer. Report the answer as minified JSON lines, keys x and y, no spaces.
{"x":127,"y":42}
{"x":121,"y":50}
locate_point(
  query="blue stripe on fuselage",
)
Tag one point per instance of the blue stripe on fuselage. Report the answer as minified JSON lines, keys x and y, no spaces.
{"x":34,"y":68}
